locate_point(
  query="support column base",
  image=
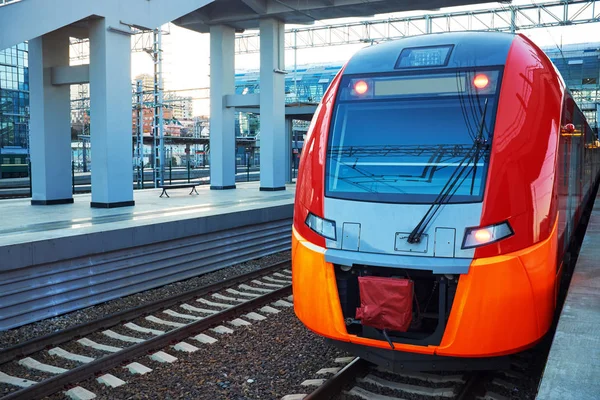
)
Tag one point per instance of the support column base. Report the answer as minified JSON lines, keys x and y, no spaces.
{"x":51,"y":202}
{"x":95,"y":204}
{"x":275,"y":189}
{"x":222,"y":187}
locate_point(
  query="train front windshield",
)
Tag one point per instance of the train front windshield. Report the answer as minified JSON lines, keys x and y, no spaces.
{"x":401,"y":138}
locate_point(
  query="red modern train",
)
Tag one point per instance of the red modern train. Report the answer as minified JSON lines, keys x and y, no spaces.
{"x":440,"y":184}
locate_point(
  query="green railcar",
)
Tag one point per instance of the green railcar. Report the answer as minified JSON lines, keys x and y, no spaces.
{"x":13,"y":166}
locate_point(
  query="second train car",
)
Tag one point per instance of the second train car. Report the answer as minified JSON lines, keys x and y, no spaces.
{"x":439,"y":187}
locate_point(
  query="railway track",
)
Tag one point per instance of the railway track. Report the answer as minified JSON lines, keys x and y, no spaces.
{"x":359,"y":379}
{"x":213,"y":305}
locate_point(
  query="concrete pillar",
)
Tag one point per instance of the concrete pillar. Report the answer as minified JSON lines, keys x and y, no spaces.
{"x":50,"y":123}
{"x":110,"y":114}
{"x":272,"y":106}
{"x":222,"y":83}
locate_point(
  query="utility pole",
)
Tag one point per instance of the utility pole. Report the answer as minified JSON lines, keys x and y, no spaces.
{"x":295,"y":67}
{"x":158,"y":143}
{"x":139,"y":148}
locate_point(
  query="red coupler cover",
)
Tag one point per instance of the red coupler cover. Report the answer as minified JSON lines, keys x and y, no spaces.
{"x":385,"y":303}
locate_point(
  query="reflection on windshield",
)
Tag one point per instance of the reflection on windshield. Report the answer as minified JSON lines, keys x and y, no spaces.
{"x":405,"y":150}
{"x":413,"y":165}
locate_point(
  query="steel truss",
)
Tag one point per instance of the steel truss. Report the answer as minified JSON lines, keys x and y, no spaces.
{"x":509,"y":18}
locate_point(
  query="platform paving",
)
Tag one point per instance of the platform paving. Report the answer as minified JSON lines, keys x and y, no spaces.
{"x":116,"y":252}
{"x":572,"y":371}
{"x":23,"y":223}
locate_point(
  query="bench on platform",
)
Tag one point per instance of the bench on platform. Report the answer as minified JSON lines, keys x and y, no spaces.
{"x":179,"y":186}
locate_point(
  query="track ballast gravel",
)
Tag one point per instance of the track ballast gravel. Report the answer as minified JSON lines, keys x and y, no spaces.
{"x":266,"y":360}
{"x":18,"y":335}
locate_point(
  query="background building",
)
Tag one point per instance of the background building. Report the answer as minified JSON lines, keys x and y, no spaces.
{"x":182,"y":106}
{"x":147,"y":120}
{"x":14,"y":96}
{"x":307,"y":84}
{"x":579,"y":66}
{"x":147,"y":81}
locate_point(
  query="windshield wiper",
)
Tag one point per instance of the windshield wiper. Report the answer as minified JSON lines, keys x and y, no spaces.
{"x":450,"y":187}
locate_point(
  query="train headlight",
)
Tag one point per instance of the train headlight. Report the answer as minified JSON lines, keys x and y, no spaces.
{"x":479,"y":236}
{"x":322,"y":226}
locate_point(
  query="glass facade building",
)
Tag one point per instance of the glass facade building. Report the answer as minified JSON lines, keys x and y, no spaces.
{"x":14,"y":96}
{"x":305,"y":85}
{"x":578,"y":64}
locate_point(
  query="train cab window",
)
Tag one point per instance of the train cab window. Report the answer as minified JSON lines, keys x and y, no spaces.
{"x":401,"y":138}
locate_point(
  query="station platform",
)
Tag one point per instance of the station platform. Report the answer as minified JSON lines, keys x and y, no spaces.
{"x":572,"y":370}
{"x":55,"y":259}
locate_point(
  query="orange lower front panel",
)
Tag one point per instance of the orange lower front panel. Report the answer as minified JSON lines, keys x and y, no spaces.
{"x":316,"y":300}
{"x":504,"y":304}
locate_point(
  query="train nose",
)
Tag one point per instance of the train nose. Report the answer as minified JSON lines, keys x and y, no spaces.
{"x":501,"y":305}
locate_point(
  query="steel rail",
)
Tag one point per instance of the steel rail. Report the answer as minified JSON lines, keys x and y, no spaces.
{"x":69,"y":378}
{"x":54,"y":339}
{"x":334,"y":385}
{"x":358,"y":366}
{"x":473,"y":382}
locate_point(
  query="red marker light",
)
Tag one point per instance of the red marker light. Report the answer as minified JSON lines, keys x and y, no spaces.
{"x":361,"y":87}
{"x":481,"y":81}
{"x":569,"y":128}
{"x":483,"y":235}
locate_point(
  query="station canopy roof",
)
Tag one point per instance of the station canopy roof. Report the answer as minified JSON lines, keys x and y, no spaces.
{"x":246,"y":14}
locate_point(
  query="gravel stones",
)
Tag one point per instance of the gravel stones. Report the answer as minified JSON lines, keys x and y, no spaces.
{"x":20,"y":371}
{"x":45,"y":327}
{"x":518,"y":383}
{"x":266,"y":360}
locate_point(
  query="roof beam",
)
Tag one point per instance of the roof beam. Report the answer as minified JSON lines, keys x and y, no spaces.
{"x":258,"y":6}
{"x":194,"y":17}
{"x":70,"y":75}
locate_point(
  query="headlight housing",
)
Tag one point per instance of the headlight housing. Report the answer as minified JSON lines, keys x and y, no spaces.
{"x":480,"y":236}
{"x":321,"y":226}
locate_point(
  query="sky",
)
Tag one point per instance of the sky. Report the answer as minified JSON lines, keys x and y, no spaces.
{"x":186,"y":53}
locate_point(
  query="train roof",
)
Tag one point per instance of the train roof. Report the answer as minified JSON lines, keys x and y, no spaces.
{"x":468,"y":49}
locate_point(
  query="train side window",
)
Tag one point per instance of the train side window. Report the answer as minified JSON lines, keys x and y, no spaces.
{"x":566,"y":118}
{"x":6,"y":160}
{"x":18,"y":160}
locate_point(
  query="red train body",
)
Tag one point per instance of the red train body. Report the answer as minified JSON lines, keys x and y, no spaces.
{"x":380,"y":193}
